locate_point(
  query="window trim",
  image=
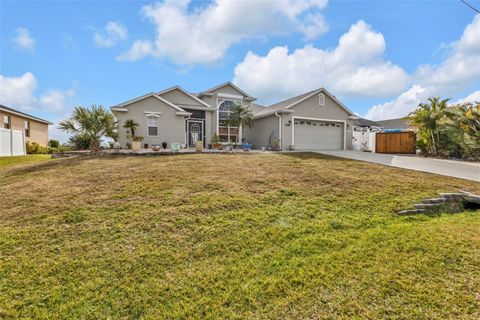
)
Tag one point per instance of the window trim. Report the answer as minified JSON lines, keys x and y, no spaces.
{"x":220,"y":100}
{"x":156,"y":117}
{"x":27,"y":128}
{"x":9,"y":123}
{"x":321,"y":99}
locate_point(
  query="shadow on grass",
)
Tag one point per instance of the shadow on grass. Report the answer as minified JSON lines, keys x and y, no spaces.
{"x":56,"y":163}
{"x":307,"y":155}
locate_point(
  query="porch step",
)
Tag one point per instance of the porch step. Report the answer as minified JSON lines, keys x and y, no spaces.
{"x":434,"y":200}
{"x":411,"y":211}
{"x":426,"y":205}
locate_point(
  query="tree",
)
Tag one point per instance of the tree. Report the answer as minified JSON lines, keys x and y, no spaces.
{"x":241,"y":116}
{"x":464,"y":120}
{"x":470,"y":121}
{"x":90,"y":125}
{"x":428,"y":119}
{"x":132,"y":126}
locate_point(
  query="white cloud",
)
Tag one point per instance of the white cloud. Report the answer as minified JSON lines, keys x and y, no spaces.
{"x":473,"y":97}
{"x":19,"y":92}
{"x":459,"y":70}
{"x":114,"y":32}
{"x":203,"y":35}
{"x":24,"y":40}
{"x":401,"y":106}
{"x":355,"y":68}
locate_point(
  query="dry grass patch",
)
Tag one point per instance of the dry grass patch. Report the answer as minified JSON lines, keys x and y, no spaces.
{"x":232,"y":236}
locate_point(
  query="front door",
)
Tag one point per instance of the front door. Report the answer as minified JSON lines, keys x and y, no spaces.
{"x":194,"y":132}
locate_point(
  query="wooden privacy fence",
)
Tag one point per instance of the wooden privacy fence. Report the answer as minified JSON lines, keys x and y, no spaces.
{"x":395,"y":142}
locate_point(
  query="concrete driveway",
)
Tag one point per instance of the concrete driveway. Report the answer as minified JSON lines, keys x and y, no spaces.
{"x":451,"y":168}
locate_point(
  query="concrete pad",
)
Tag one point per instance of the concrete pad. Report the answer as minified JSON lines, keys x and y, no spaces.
{"x":450,"y":168}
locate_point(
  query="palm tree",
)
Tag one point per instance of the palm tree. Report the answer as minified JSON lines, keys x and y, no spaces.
{"x":241,"y":116}
{"x":428,"y":119}
{"x":132,"y":126}
{"x":90,"y":125}
{"x":466,"y":117}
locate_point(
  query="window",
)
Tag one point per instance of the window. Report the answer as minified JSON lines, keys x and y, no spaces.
{"x":321,"y":99}
{"x":6,"y":122}
{"x":152,"y":125}
{"x":27,"y":128}
{"x":226,"y":133}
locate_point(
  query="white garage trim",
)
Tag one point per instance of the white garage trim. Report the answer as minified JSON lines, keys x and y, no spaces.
{"x":318,"y":119}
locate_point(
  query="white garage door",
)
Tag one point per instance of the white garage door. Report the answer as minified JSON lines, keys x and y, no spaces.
{"x":320,"y":135}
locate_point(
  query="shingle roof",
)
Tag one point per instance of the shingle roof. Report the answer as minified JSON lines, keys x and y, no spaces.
{"x":362,"y":122}
{"x":23,"y":114}
{"x":257,"y":108}
{"x":285,"y":103}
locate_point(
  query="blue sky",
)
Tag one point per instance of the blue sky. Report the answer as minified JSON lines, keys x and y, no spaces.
{"x":392,"y":54}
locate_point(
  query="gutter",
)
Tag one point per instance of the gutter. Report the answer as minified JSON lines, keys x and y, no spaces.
{"x":279,"y":129}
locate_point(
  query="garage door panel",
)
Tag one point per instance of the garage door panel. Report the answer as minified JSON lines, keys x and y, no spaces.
{"x":318,"y":135}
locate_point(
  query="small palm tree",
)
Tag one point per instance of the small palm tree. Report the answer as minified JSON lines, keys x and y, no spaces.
{"x":428,"y":119}
{"x":241,"y":116}
{"x":132,"y":126}
{"x":90,"y":125}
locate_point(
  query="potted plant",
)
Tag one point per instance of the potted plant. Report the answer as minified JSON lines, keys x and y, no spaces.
{"x":216,"y":141}
{"x":137,"y":143}
{"x":164,"y":145}
{"x":132,"y":126}
{"x":155,"y":147}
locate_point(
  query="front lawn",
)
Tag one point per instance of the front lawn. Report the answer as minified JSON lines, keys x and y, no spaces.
{"x":277,"y":236}
{"x":10,"y":161}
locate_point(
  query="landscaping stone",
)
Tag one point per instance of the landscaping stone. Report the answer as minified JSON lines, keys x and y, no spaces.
{"x":450,"y":202}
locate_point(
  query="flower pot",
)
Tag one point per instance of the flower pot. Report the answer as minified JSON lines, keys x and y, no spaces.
{"x":199,"y":146}
{"x":247,"y":146}
{"x":136,"y":145}
{"x":216,"y":145}
{"x":164,"y":145}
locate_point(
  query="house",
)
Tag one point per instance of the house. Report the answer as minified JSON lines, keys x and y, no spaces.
{"x":34,"y":129}
{"x":314,"y":120}
{"x":362,"y":124}
{"x":398,"y":123}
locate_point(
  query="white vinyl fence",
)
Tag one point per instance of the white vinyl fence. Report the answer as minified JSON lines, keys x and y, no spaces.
{"x":12,"y":143}
{"x":364,"y":141}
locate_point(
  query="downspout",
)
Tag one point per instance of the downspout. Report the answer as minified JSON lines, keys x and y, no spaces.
{"x":279,"y":129}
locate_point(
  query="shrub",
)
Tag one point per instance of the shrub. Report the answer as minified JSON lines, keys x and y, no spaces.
{"x":54,"y":143}
{"x":35,"y":148}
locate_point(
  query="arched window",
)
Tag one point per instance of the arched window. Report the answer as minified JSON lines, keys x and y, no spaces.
{"x":226,"y":133}
{"x":152,"y":125}
{"x":321,"y":99}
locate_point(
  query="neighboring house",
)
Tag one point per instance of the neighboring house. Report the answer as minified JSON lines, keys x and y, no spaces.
{"x":33,"y":128}
{"x":362,"y":124}
{"x":315,"y":120}
{"x":399,"y":123}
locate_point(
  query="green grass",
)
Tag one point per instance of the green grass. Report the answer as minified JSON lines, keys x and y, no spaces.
{"x":10,"y":161}
{"x":250,"y":236}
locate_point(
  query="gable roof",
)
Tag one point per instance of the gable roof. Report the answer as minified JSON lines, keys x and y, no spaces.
{"x":19,"y":113}
{"x":247,"y":96}
{"x":187,"y":93}
{"x":290,"y":102}
{"x":145,"y":96}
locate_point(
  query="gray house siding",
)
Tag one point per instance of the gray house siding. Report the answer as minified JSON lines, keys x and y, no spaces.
{"x":309,"y":108}
{"x":171,"y":127}
{"x":181,"y":99}
{"x":263,"y":129}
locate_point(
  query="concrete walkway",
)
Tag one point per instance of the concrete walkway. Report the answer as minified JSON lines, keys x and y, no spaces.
{"x":451,"y":168}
